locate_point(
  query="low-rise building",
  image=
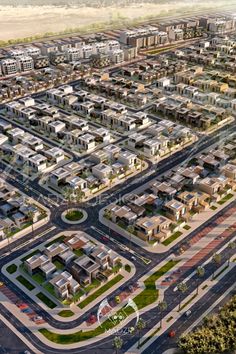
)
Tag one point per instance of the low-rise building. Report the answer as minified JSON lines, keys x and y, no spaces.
{"x":65,"y":285}
{"x":153,"y":228}
{"x":175,"y":210}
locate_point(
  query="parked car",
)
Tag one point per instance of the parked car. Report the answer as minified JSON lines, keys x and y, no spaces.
{"x":188,"y":313}
{"x":172,"y":333}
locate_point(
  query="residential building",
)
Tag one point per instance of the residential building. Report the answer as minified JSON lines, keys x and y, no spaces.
{"x":65,"y":285}
{"x":153,"y":228}
{"x":175,"y":210}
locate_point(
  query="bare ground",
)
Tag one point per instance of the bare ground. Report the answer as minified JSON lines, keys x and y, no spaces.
{"x":20,"y":22}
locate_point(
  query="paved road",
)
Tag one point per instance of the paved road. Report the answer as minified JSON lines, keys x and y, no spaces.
{"x":9,"y":342}
{"x":164,"y":342}
{"x":118,"y":191}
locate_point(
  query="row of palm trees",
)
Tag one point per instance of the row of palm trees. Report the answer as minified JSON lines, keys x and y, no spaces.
{"x":182,"y":288}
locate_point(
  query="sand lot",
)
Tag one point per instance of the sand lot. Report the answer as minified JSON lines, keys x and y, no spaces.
{"x":19,"y":22}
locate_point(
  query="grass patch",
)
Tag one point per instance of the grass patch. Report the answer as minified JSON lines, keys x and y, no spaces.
{"x":128,"y":268}
{"x":225,"y":199}
{"x":150,"y":293}
{"x":11,"y":268}
{"x":46,"y":300}
{"x":187,"y":302}
{"x":204,"y":287}
{"x":59,"y":265}
{"x":187,"y":227}
{"x":149,"y":337}
{"x":172,"y":238}
{"x":66,"y":313}
{"x":25,"y":283}
{"x":95,"y":284}
{"x":146,"y":297}
{"x":49,"y":287}
{"x":39,"y":278}
{"x":213,"y":207}
{"x":78,"y":252}
{"x":169,"y":319}
{"x":100,"y":291}
{"x":219,"y":273}
{"x":74,"y":215}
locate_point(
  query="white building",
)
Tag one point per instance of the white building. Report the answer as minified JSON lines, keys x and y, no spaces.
{"x":117,"y":56}
{"x":25,"y":63}
{"x":9,"y":66}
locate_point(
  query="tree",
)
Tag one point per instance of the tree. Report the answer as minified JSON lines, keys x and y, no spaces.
{"x":68,"y":193}
{"x":200,"y":271}
{"x":140,"y":326}
{"x":126,"y":169}
{"x":182,"y":287}
{"x":79,"y":194}
{"x":7,"y":231}
{"x":111,"y":178}
{"x":130,"y":230}
{"x":231,"y":246}
{"x":31,"y":219}
{"x":216,"y":259}
{"x":117,"y":343}
{"x":141,"y":158}
{"x":162,"y":307}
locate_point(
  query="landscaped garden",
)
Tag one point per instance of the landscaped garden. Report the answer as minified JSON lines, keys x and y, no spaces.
{"x":25,"y":282}
{"x":46,"y":300}
{"x":100,"y":291}
{"x":172,"y":238}
{"x":74,"y":215}
{"x":225,"y":199}
{"x":66,"y":313}
{"x":11,"y":268}
{"x":146,"y":297}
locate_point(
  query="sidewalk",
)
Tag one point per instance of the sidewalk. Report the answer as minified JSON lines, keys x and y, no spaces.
{"x":23,"y":318}
{"x":197,"y":221}
{"x":175,"y":314}
{"x":39,"y":288}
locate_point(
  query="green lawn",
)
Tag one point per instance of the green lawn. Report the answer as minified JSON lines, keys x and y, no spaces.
{"x":226,"y":198}
{"x":39,"y":278}
{"x":95,"y":284}
{"x":146,"y":297}
{"x":100,"y":291}
{"x":46,"y":300}
{"x":150,"y":293}
{"x":172,"y":238}
{"x":66,"y":313}
{"x":25,"y":282}
{"x":128,"y":268}
{"x":187,"y":227}
{"x":213,"y":207}
{"x":11,"y":268}
{"x":59,"y":265}
{"x":74,"y":215}
{"x":78,"y":252}
{"x":49,"y":287}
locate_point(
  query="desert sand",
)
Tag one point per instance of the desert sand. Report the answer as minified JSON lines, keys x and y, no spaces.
{"x":20,"y":22}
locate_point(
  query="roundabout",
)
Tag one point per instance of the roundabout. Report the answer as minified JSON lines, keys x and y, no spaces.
{"x":74,"y":216}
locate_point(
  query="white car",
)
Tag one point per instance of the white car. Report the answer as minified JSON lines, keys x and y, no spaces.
{"x":188,"y":313}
